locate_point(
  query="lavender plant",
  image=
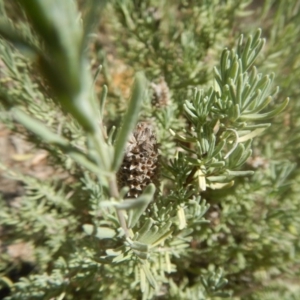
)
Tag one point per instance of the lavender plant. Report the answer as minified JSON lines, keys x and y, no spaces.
{"x":167,"y":205}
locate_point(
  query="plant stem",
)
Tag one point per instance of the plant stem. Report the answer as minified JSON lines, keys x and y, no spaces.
{"x":114,"y":192}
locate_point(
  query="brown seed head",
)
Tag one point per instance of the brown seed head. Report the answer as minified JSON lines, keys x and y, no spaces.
{"x":160,"y":94}
{"x":140,"y":163}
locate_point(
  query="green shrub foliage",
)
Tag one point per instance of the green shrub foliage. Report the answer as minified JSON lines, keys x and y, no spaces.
{"x":221,"y":217}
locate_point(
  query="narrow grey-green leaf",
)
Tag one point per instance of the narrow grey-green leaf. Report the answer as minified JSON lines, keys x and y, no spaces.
{"x":99,"y":232}
{"x":103,"y":99}
{"x":48,"y":136}
{"x":149,"y":276}
{"x":38,"y":128}
{"x":131,"y":203}
{"x":141,"y":255}
{"x":92,"y":17}
{"x":145,"y":198}
{"x":89,"y":229}
{"x":140,"y":246}
{"x":147,"y":236}
{"x":130,"y":119}
{"x":268,"y":115}
{"x":13,"y":36}
{"x":145,"y":228}
{"x":161,"y":232}
{"x":239,"y":173}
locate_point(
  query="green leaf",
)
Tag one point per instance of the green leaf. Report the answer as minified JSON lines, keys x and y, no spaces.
{"x":252,"y":134}
{"x":56,"y":23}
{"x":140,"y":246}
{"x":146,"y":269}
{"x":12,"y":35}
{"x":234,"y":70}
{"x":141,"y":255}
{"x":156,"y":234}
{"x":38,"y":128}
{"x":145,"y":228}
{"x":62,"y":60}
{"x":218,"y":185}
{"x":99,"y":232}
{"x":103,"y":99}
{"x":95,"y":7}
{"x":239,"y":173}
{"x":128,"y":204}
{"x":49,"y":137}
{"x":146,"y":197}
{"x":130,"y":120}
{"x":218,"y":148}
{"x":268,"y":115}
{"x":225,"y":64}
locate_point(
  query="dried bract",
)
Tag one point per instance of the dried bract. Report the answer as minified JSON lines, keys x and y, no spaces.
{"x":140,"y":163}
{"x":160,"y":94}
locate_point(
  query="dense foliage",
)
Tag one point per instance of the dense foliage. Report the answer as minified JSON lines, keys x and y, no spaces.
{"x":220,"y":217}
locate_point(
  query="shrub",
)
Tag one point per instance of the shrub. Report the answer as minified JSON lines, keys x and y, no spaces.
{"x":184,"y":191}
